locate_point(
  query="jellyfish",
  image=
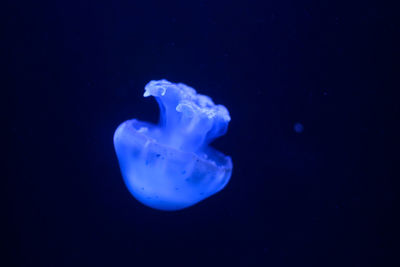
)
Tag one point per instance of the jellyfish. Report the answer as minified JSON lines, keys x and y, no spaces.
{"x":171,"y":165}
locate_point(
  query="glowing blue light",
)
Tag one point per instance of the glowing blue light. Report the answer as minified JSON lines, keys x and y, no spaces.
{"x":298,"y":127}
{"x":171,"y":166}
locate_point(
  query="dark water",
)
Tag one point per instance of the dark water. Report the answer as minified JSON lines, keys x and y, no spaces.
{"x":307,"y":84}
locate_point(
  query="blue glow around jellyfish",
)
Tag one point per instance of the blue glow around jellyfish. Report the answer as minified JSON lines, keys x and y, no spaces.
{"x":171,"y":166}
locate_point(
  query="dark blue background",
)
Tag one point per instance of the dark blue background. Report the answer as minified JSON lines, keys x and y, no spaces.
{"x":324,"y":197}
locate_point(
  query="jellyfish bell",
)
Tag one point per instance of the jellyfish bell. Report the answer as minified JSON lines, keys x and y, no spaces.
{"x":170,"y":166}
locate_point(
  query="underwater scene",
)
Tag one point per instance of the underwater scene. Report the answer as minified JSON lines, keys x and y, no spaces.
{"x":200,"y":133}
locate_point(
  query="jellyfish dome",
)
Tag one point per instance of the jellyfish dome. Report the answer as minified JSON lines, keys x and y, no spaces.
{"x":170,"y":166}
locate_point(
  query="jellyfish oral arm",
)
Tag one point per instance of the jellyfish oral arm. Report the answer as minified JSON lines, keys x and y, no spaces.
{"x":190,"y":120}
{"x":171,"y":166}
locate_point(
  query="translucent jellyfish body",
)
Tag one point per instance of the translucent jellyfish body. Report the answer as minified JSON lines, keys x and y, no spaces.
{"x":170,"y":166}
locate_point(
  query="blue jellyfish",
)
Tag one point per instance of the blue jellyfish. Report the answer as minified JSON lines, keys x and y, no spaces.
{"x":170,"y":166}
